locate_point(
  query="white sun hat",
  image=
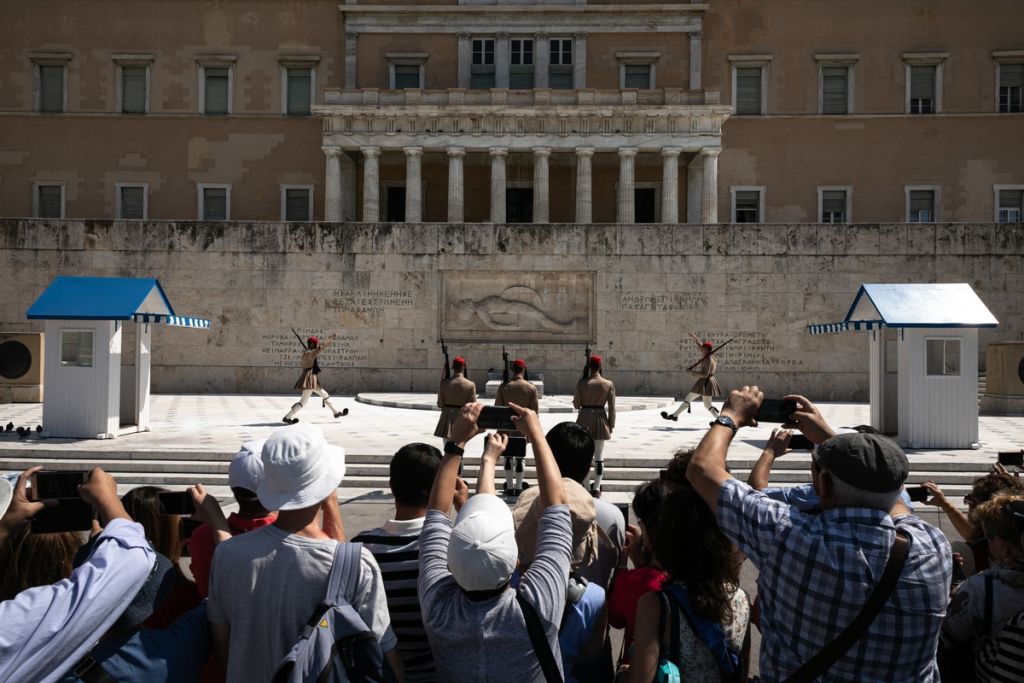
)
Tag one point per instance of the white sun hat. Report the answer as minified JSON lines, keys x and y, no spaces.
{"x":300,"y":468}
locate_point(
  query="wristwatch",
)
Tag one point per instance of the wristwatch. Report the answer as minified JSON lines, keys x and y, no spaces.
{"x":453,"y":448}
{"x":726,"y":421}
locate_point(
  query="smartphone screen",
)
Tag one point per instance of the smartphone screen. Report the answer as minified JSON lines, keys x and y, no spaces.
{"x":918,"y":494}
{"x":776,"y":410}
{"x":799,"y":442}
{"x":496,"y":417}
{"x":176,"y":503}
{"x":52,"y":484}
{"x":624,"y":509}
{"x":69,"y":514}
{"x":1011,"y":458}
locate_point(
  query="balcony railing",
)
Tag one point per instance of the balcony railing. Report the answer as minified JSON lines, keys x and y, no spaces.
{"x":540,"y":97}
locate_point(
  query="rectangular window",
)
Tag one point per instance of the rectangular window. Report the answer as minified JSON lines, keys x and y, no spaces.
{"x":835,"y":88}
{"x":407,"y":76}
{"x":747,"y":206}
{"x":1011,"y":85}
{"x":560,"y":70}
{"x":1011,"y":206}
{"x":49,"y":201}
{"x":297,"y":203}
{"x":636,"y":76}
{"x":922,"y":206}
{"x":131,"y":202}
{"x":942,"y":357}
{"x":520,"y":73}
{"x":833,"y":206}
{"x":76,"y":348}
{"x":133,"y":89}
{"x":300,"y":90}
{"x":51,"y":88}
{"x":217,"y":90}
{"x":214,"y":202}
{"x":748,"y":90}
{"x":482,"y":67}
{"x":922,"y":89}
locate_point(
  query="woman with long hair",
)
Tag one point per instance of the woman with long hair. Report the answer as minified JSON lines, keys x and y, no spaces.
{"x":703,"y":581}
{"x":28,"y":560}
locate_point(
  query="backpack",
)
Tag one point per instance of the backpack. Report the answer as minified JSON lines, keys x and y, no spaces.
{"x":709,"y":633}
{"x":335,"y":645}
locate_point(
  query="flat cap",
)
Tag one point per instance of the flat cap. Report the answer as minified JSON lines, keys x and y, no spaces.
{"x":871,"y":462}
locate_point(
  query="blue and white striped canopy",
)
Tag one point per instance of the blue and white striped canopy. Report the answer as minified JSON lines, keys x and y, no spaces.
{"x":173,"y":320}
{"x":845,"y":326}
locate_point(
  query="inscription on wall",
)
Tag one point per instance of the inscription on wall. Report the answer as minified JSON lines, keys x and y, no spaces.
{"x":750,"y":351}
{"x":651,"y":301}
{"x":283,"y":349}
{"x":507,"y":306}
{"x":369,"y":301}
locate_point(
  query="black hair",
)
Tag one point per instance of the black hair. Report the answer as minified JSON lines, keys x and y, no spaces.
{"x":573,"y":448}
{"x":412,"y":472}
{"x":647,"y":500}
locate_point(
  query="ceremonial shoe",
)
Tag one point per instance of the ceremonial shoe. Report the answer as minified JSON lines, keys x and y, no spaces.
{"x":290,"y":420}
{"x":341,"y":413}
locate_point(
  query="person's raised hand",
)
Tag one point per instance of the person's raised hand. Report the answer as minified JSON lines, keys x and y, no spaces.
{"x":495,"y":445}
{"x":742,"y":406}
{"x":461,"y":493}
{"x":778,"y":443}
{"x":634,"y":547}
{"x":21,"y":510}
{"x":101,"y":492}
{"x":938,"y":498}
{"x":207,"y":509}
{"x":526,"y":420}
{"x":466,"y":427}
{"x":1001,"y":470}
{"x":807,"y":418}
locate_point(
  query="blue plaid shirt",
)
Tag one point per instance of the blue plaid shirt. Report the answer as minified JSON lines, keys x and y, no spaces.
{"x":817,"y":571}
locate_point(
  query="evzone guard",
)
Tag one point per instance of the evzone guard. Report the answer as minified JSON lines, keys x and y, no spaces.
{"x":521,"y":391}
{"x":309,"y":382}
{"x":454,"y":392}
{"x":593,"y":392}
{"x":706,"y":386}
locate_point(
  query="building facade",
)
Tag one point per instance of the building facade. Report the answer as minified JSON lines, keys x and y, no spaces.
{"x":550,"y":112}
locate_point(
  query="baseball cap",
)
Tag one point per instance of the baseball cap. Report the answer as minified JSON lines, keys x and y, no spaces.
{"x":870,"y":462}
{"x":583,"y":516}
{"x":482,"y":551}
{"x":299,"y":468}
{"x":246,"y":468}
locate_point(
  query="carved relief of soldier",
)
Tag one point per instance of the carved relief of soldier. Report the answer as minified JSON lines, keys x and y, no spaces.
{"x":595,"y":400}
{"x":309,"y":381}
{"x":521,"y":391}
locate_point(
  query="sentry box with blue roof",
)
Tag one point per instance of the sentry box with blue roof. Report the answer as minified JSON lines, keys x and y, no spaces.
{"x":924,"y":359}
{"x":85,"y":394}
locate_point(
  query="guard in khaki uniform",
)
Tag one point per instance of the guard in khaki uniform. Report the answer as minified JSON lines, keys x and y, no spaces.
{"x":592,"y":394}
{"x":522,"y":392}
{"x":309,"y":382}
{"x":453,"y":393}
{"x":706,"y":387}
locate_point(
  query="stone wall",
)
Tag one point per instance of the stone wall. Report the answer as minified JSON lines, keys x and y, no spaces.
{"x":388,"y":290}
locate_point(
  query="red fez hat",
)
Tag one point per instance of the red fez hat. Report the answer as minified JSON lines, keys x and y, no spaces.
{"x":313,"y":340}
{"x":458,"y":360}
{"x":707,"y":345}
{"x":595,"y":359}
{"x":519,"y":363}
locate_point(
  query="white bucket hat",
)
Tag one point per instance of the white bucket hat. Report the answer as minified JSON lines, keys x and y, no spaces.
{"x":300,"y":468}
{"x":482,"y":550}
{"x":246,"y":468}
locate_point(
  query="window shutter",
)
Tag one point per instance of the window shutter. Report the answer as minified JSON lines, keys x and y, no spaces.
{"x":133,"y":89}
{"x":1011,"y":199}
{"x":132,"y":202}
{"x":407,"y":76}
{"x":215,"y":204}
{"x":299,"y":91}
{"x":748,"y":90}
{"x":216,"y":90}
{"x":833,"y":201}
{"x":49,"y":201}
{"x":296,"y":205}
{"x":481,"y":80}
{"x":922,"y":82}
{"x":637,"y":76}
{"x":560,"y":79}
{"x":834,"y":89}
{"x":51,"y":89}
{"x":748,"y":204}
{"x":1011,"y":75}
{"x":521,"y":78}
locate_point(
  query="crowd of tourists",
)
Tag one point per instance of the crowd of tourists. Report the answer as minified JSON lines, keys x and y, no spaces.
{"x":458,"y":586}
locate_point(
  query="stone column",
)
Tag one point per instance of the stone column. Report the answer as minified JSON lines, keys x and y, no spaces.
{"x":413,"y":185}
{"x":351,"y":38}
{"x":371,"y":184}
{"x":670,"y":184}
{"x":709,"y":185}
{"x":541,"y":204}
{"x":541,"y":58}
{"x":579,"y":61}
{"x":584,"y":201}
{"x":498,"y":155}
{"x":465,"y":59}
{"x":455,"y":184}
{"x":332,"y":184}
{"x":627,"y":161}
{"x":502,"y":59}
{"x":695,"y":60}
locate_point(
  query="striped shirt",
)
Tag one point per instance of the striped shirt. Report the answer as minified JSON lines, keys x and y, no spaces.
{"x":396,"y":547}
{"x":1002,"y":658}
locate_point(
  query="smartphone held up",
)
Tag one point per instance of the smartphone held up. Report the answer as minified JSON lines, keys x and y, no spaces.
{"x":71,"y":512}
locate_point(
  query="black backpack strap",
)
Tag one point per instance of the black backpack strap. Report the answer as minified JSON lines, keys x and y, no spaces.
{"x":539,"y":640}
{"x":987,"y":626}
{"x":669,"y":645}
{"x":819,"y":663}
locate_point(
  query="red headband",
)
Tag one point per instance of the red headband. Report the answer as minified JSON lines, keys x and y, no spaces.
{"x":519,"y":363}
{"x":708,"y":345}
{"x":595,"y":359}
{"x":312,"y":340}
{"x":458,"y":360}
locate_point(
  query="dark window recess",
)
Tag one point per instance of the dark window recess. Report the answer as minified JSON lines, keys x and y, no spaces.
{"x":922,"y":89}
{"x":296,"y":205}
{"x":216,"y":93}
{"x":50,"y":201}
{"x":833,"y":206}
{"x":395,"y":204}
{"x":834,"y":89}
{"x":637,"y":76}
{"x":519,"y":205}
{"x":133,"y":90}
{"x":1011,"y":84}
{"x":748,"y":206}
{"x":215,"y":204}
{"x":133,"y":201}
{"x":645,"y":205}
{"x":407,"y":76}
{"x":748,"y":90}
{"x":51,"y":89}
{"x":299,"y":91}
{"x":922,"y":206}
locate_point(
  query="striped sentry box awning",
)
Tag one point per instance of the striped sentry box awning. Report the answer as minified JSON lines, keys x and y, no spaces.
{"x":173,"y":320}
{"x":845,"y":326}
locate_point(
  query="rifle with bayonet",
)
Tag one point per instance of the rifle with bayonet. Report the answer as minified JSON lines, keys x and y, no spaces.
{"x":504,"y":362}
{"x":305,"y":347}
{"x":447,"y":373}
{"x":586,"y":365}
{"x":711,"y":353}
